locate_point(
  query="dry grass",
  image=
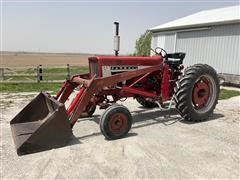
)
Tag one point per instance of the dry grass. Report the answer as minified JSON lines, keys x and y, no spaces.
{"x":19,"y":60}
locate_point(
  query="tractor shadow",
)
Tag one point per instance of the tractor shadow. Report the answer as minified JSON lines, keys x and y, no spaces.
{"x":214,"y":116}
{"x":141,"y":118}
{"x":144,"y":118}
{"x":151,"y":117}
{"x":143,"y":115}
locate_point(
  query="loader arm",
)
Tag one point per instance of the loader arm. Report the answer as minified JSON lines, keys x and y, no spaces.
{"x":95,"y":85}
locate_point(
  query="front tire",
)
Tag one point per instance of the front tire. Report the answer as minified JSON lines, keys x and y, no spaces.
{"x":115,"y":122}
{"x":197,"y":92}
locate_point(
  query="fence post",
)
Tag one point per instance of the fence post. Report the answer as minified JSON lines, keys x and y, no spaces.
{"x":39,"y":73}
{"x":38,"y":79}
{"x":68,"y":72}
{"x":1,"y":74}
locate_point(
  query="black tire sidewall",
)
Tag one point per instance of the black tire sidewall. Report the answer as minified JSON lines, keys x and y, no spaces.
{"x":104,"y":121}
{"x":91,"y":110}
{"x":191,"y":75}
{"x":88,"y":113}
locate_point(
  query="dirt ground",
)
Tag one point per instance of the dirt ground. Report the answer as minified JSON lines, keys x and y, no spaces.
{"x":157,"y":146}
{"x":33,"y":59}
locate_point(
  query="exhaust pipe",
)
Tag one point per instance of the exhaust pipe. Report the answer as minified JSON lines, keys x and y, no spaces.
{"x":116,"y":39}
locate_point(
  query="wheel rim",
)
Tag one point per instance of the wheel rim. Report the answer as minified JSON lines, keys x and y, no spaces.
{"x":118,"y":124}
{"x":203,"y":93}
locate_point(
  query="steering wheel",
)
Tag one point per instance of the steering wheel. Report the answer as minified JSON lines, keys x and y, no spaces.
{"x":160,"y":51}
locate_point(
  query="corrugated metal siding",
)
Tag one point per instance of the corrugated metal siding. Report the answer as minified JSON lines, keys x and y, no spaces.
{"x":217,"y":46}
{"x":158,"y":40}
{"x":165,"y":41}
{"x":161,"y":41}
{"x":169,"y":42}
{"x":154,"y":41}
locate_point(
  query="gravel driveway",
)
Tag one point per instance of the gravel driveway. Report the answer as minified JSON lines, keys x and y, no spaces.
{"x":158,"y":146}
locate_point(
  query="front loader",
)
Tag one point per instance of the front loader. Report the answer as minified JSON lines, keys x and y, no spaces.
{"x":46,"y":123}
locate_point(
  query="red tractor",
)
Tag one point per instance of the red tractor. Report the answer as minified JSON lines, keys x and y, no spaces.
{"x":153,"y":81}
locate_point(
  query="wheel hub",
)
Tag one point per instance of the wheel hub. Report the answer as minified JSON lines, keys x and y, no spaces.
{"x":118,"y":123}
{"x":201,"y":93}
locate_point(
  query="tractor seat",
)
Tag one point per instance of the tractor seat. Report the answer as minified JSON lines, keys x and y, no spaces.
{"x":174,"y":58}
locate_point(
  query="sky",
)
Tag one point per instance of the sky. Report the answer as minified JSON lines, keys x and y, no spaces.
{"x":87,"y":27}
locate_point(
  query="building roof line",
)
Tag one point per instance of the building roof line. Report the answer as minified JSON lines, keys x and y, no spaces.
{"x":219,"y":16}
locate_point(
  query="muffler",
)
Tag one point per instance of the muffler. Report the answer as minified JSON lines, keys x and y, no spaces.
{"x":42,"y":125}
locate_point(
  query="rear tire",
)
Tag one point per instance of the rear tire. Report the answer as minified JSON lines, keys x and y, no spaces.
{"x":145,"y":103}
{"x":115,"y":122}
{"x":90,"y":109}
{"x":197,"y":92}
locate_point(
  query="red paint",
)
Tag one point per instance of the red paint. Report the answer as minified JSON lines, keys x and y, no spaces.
{"x":200,"y":94}
{"x":165,"y":86}
{"x":65,"y":92}
{"x":136,"y":91}
{"x":156,"y":80}
{"x":123,"y":61}
{"x":118,"y":123}
{"x":61,"y":90}
{"x":75,"y":100}
{"x":127,"y":60}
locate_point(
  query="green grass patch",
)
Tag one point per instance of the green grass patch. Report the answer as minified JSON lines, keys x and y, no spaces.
{"x":29,"y":87}
{"x":37,"y":87}
{"x":28,"y":71}
{"x":73,"y":70}
{"x":226,"y":94}
{"x":52,"y":73}
{"x":19,"y":78}
{"x":30,"y":74}
{"x":54,"y":77}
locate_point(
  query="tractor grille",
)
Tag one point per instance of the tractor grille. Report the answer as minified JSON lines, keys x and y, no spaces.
{"x":94,"y":68}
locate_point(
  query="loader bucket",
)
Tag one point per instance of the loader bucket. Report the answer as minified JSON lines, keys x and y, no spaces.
{"x":42,"y":125}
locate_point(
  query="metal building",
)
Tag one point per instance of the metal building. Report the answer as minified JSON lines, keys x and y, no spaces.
{"x":211,"y":37}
